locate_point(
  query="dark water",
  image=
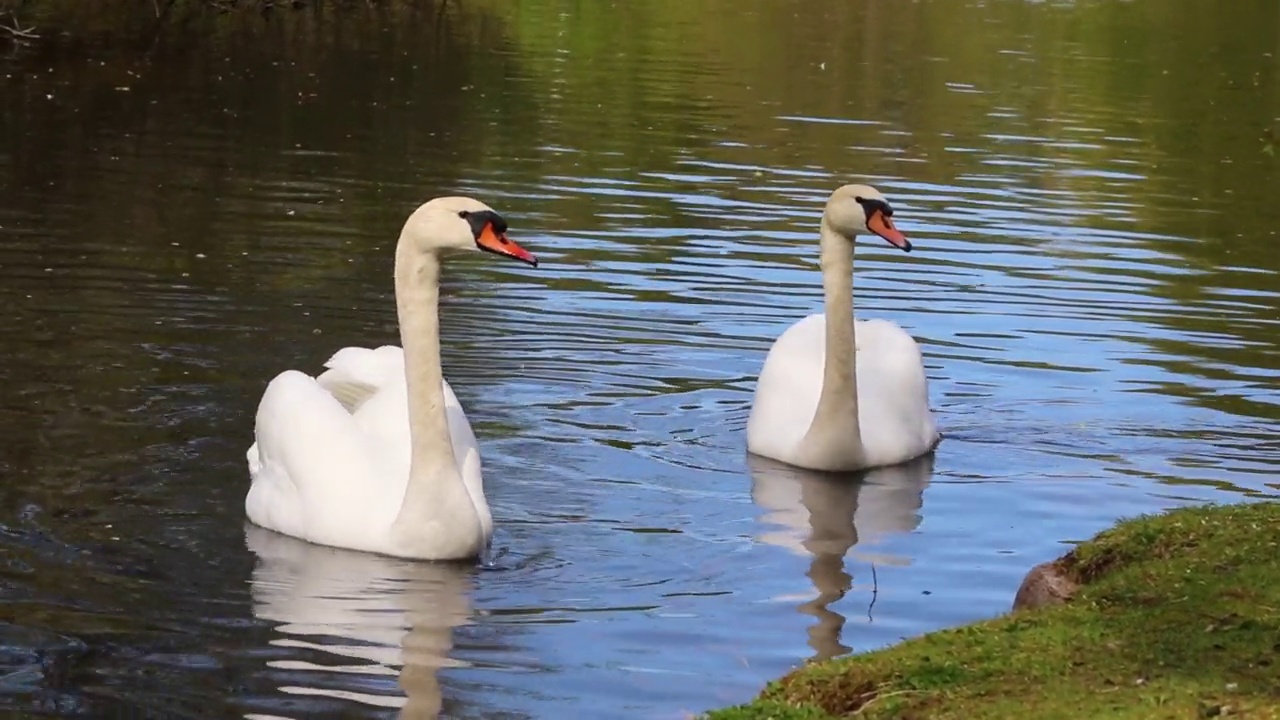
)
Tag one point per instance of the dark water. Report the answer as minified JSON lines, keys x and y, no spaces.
{"x":1091,"y":188}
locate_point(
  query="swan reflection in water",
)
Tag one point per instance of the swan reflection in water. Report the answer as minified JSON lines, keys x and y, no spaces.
{"x":374,"y":615}
{"x":824,"y":516}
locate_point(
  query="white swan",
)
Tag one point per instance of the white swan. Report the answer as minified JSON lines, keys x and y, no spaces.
{"x":821,"y":405}
{"x":376,"y":454}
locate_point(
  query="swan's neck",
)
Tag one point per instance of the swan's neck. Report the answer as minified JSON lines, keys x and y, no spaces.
{"x":436,"y":502}
{"x":835,"y":424}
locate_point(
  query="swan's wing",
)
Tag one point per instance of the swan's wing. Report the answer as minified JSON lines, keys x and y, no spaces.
{"x":893,"y":394}
{"x":355,"y":374}
{"x":383,"y":420}
{"x":464,"y":439}
{"x":466,"y":451}
{"x":788,"y":389}
{"x":888,"y":353}
{"x":315,"y":477}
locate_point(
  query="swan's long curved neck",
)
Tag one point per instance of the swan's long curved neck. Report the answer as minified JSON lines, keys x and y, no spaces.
{"x":435,"y":490}
{"x":836,"y":420}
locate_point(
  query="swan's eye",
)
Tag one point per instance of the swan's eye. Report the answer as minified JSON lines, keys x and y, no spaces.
{"x":464,"y":214}
{"x":871,"y":205}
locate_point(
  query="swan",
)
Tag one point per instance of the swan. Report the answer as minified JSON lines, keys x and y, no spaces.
{"x":818,"y":403}
{"x":376,"y":454}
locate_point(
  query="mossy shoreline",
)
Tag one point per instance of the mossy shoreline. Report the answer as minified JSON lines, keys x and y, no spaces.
{"x":1177,"y":616}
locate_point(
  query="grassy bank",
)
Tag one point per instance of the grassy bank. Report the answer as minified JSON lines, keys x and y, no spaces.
{"x":1178,"y":616}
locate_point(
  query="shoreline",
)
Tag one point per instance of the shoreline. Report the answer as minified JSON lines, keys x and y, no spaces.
{"x":1174,"y":615}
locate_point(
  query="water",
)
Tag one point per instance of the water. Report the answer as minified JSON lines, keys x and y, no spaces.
{"x":186,"y":213}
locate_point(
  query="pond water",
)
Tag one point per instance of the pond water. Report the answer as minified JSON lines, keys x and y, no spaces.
{"x":1090,"y":187}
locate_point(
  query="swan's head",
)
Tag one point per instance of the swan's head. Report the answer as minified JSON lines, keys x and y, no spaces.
{"x":860,"y":209}
{"x":462,"y":223}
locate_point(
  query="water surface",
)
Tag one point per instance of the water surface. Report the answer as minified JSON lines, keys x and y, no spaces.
{"x":183,"y":216}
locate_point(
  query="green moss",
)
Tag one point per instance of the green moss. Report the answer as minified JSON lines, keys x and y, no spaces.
{"x":1178,"y":617}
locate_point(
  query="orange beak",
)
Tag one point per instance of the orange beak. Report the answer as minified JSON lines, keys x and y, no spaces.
{"x":880,"y":224}
{"x":498,"y":244}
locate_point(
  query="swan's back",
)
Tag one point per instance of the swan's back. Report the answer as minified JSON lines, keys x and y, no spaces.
{"x":371,"y":385}
{"x":314,"y":471}
{"x":355,"y":374}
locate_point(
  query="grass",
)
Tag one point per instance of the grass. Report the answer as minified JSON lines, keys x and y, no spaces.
{"x":1178,"y":616}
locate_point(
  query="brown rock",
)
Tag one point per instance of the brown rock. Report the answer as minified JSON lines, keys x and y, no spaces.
{"x":1046,"y":584}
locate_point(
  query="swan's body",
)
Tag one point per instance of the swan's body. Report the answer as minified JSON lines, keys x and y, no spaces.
{"x":336,"y":452}
{"x":840,"y":395}
{"x":376,"y":454}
